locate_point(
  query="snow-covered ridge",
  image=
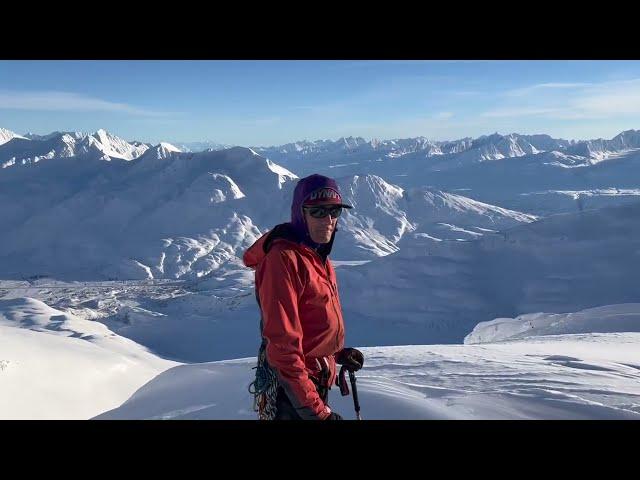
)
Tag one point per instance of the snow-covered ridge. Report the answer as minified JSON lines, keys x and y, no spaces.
{"x":600,"y":149}
{"x":308,"y":156}
{"x":6,"y":135}
{"x":194,"y":147}
{"x":457,"y":152}
{"x":435,"y":290}
{"x":488,"y":147}
{"x":180,"y":215}
{"x":54,"y":365}
{"x":384,"y":214}
{"x":612,"y":318}
{"x":101,"y":144}
{"x":163,"y":214}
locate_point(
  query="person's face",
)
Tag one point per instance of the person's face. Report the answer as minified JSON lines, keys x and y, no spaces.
{"x":320,"y":229}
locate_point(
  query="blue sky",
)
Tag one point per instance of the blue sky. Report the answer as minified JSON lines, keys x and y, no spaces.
{"x":262,"y":103}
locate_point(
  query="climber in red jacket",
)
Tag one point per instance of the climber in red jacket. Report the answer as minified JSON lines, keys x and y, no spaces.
{"x":302,"y":325}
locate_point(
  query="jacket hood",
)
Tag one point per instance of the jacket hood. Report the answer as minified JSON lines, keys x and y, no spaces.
{"x":303,"y":192}
{"x":284,"y":231}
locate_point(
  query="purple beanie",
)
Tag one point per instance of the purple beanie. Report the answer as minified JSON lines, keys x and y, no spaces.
{"x":305,"y":187}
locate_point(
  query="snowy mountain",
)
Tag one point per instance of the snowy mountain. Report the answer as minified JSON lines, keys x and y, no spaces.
{"x":626,"y":140}
{"x":190,"y":217}
{"x":6,"y":135}
{"x":201,"y":146}
{"x":162,"y":150}
{"x":117,"y":147}
{"x":101,"y":144}
{"x":435,"y":291}
{"x":549,"y":202}
{"x":497,"y":169}
{"x":519,"y":183}
{"x":184,"y":215}
{"x":35,"y":136}
{"x":598,"y":150}
{"x":305,"y":155}
{"x":383,"y":213}
{"x":164,"y":214}
{"x":306,"y":147}
{"x":169,"y":214}
{"x":436,"y":288}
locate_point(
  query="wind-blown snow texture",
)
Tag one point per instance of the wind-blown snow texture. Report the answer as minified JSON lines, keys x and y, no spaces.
{"x":590,"y":376}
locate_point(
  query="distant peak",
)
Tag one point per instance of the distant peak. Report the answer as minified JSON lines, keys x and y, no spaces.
{"x":169,"y":147}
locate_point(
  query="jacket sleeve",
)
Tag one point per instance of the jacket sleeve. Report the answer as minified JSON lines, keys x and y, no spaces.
{"x":278,"y":293}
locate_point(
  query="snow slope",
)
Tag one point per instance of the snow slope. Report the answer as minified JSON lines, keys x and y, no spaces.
{"x":590,"y":376}
{"x":610,"y":318}
{"x":56,"y":366}
{"x":434,"y":291}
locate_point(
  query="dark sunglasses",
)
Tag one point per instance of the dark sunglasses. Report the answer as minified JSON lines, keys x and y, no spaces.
{"x":321,"y":212}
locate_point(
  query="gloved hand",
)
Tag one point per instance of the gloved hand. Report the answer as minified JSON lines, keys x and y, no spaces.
{"x":352,"y":358}
{"x":334,"y":416}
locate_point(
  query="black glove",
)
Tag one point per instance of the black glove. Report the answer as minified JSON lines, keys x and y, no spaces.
{"x":352,"y":358}
{"x":334,"y":416}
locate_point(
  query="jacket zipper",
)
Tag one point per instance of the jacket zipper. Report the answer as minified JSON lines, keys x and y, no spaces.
{"x":333,"y":296}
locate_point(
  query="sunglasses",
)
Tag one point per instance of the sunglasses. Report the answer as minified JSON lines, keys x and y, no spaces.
{"x":321,"y":212}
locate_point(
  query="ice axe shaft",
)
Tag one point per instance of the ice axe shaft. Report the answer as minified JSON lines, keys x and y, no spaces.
{"x":356,"y":403}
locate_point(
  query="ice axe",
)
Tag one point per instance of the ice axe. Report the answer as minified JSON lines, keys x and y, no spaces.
{"x":344,"y":388}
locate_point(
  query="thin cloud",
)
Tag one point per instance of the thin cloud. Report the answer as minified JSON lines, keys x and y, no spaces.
{"x":583,"y":101}
{"x":519,"y":112}
{"x":66,"y":101}
{"x":609,"y":99}
{"x":521,"y":92}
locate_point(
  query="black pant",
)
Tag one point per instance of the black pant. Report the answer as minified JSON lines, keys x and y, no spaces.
{"x":286,"y":411}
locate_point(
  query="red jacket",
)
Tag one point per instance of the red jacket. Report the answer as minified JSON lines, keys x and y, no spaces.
{"x":301,"y":315}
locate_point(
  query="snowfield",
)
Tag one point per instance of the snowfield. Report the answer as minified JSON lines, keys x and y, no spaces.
{"x":54,"y":365}
{"x":586,"y":376}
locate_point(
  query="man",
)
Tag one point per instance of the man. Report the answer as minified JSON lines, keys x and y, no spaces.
{"x":302,"y":326}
